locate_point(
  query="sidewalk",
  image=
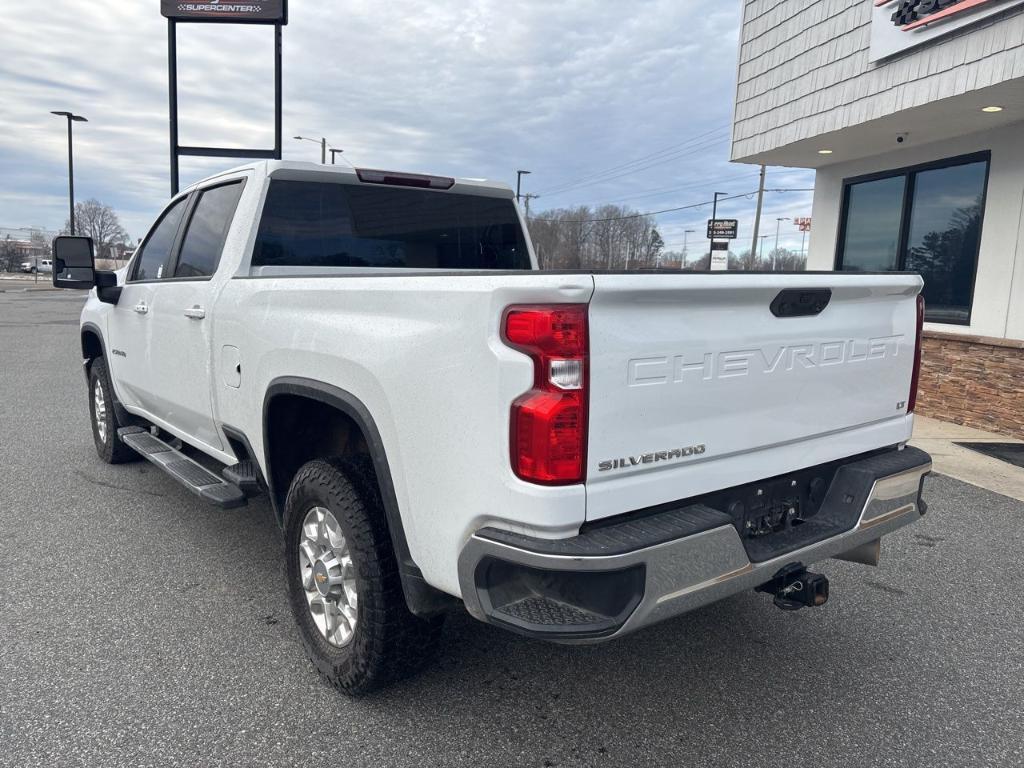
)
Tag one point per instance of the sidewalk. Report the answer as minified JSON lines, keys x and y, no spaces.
{"x":12,"y":283}
{"x":938,"y":437}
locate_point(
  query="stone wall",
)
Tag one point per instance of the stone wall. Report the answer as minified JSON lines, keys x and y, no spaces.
{"x":973,"y":380}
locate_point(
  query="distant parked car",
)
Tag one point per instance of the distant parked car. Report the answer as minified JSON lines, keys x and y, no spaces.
{"x":45,"y":266}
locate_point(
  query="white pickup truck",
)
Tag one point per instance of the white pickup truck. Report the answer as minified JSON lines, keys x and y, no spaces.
{"x":568,"y":455}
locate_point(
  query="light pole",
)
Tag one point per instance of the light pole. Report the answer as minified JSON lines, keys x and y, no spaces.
{"x":778,"y":224}
{"x":72,"y":118}
{"x":323,"y":146}
{"x":686,"y":234}
{"x":519,"y":181}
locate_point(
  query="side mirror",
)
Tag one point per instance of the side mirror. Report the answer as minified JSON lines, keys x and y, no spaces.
{"x":74,"y":265}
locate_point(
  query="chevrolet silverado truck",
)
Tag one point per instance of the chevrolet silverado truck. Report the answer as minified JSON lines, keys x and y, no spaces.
{"x":437,"y":424}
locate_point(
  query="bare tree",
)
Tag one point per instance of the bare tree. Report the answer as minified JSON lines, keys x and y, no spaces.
{"x":39,"y":244}
{"x":100,"y":222}
{"x":610,"y":237}
{"x":8,"y":255}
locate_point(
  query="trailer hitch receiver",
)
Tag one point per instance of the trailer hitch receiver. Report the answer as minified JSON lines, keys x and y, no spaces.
{"x":794,"y":587}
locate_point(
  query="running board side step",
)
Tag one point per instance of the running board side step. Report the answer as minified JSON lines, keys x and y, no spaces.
{"x":193,"y":475}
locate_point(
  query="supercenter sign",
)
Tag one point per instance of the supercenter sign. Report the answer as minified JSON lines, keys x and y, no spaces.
{"x":257,"y":12}
{"x":897,"y":25}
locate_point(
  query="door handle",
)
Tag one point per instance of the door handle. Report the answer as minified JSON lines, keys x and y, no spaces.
{"x":141,"y":308}
{"x":195,"y":313}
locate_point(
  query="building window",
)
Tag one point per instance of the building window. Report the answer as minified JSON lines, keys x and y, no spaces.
{"x":923,"y":219}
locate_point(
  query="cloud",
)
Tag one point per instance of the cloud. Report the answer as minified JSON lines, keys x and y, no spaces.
{"x":459,"y":87}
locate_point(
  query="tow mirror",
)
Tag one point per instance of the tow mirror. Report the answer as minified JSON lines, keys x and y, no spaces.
{"x":74,"y":265}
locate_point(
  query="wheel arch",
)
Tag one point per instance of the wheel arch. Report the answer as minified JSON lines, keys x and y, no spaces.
{"x":336,"y":412}
{"x":94,"y":347}
{"x":92,"y":343}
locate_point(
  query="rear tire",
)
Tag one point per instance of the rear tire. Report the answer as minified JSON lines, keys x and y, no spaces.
{"x":334,"y":510}
{"x":104,"y":417}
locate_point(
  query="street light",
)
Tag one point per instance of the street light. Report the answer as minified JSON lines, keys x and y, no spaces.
{"x":519,"y":181}
{"x":686,"y":233}
{"x":778,"y":223}
{"x":323,"y":146}
{"x":72,"y":118}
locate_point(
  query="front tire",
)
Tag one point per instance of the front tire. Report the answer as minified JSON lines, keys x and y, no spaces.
{"x":343,"y":583}
{"x":104,"y":418}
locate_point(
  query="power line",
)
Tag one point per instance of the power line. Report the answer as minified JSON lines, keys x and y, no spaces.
{"x":644,"y":162}
{"x":667,"y":190}
{"x":641,"y":159}
{"x":664,"y":210}
{"x":692,"y":150}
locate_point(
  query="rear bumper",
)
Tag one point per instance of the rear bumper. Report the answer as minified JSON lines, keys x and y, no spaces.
{"x":613,"y":580}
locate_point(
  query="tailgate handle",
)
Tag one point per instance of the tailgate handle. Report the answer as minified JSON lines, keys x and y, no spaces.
{"x":801,"y":302}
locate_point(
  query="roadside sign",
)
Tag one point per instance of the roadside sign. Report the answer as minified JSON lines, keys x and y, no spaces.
{"x":803,"y":223}
{"x":719,"y":256}
{"x":722,"y":229}
{"x":261,"y":12}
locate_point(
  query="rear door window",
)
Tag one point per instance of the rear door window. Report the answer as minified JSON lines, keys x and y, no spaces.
{"x":318,"y":224}
{"x":153,"y":261}
{"x":207,"y":229}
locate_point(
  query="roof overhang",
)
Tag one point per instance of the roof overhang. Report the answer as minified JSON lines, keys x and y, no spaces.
{"x":935,"y":121}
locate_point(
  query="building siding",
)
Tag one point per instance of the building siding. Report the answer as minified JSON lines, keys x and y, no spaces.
{"x":804,"y":70}
{"x":971,"y":381}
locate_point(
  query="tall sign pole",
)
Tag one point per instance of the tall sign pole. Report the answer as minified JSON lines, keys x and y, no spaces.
{"x":718,"y":251}
{"x":267,"y":12}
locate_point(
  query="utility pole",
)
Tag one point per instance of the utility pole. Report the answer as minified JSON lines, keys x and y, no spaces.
{"x":686,"y":233}
{"x":757,"y":217}
{"x":71,"y":171}
{"x":526,"y":201}
{"x":519,"y":181}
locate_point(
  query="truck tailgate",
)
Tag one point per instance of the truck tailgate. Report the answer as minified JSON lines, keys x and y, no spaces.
{"x":696,"y":385}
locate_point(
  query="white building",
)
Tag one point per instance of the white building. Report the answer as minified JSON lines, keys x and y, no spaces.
{"x":912,"y":114}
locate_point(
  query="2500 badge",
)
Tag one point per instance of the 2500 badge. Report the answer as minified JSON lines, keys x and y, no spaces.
{"x":650,"y":458}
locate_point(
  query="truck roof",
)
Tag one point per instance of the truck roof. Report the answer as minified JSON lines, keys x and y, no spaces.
{"x":294,"y":168}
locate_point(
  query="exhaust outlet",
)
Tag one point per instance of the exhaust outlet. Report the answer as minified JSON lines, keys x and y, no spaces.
{"x":794,"y":587}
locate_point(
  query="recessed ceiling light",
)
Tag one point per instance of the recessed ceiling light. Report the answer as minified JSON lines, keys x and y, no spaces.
{"x":992,"y":109}
{"x":824,"y":151}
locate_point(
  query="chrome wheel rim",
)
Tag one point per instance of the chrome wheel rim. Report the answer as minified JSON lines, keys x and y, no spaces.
{"x":100,"y":411}
{"x":328,"y":577}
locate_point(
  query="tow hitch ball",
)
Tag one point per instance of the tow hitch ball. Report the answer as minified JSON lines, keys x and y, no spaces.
{"x":794,"y":587}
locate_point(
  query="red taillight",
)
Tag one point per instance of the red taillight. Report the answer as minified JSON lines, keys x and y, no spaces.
{"x":912,"y":400}
{"x":549,"y":423}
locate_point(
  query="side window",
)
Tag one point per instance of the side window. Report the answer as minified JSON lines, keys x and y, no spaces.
{"x":207,"y":230}
{"x":156,"y":250}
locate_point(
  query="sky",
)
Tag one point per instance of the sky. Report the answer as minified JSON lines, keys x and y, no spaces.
{"x":603,"y":101}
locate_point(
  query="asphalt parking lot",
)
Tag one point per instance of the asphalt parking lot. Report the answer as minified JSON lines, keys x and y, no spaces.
{"x":140,"y":627}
